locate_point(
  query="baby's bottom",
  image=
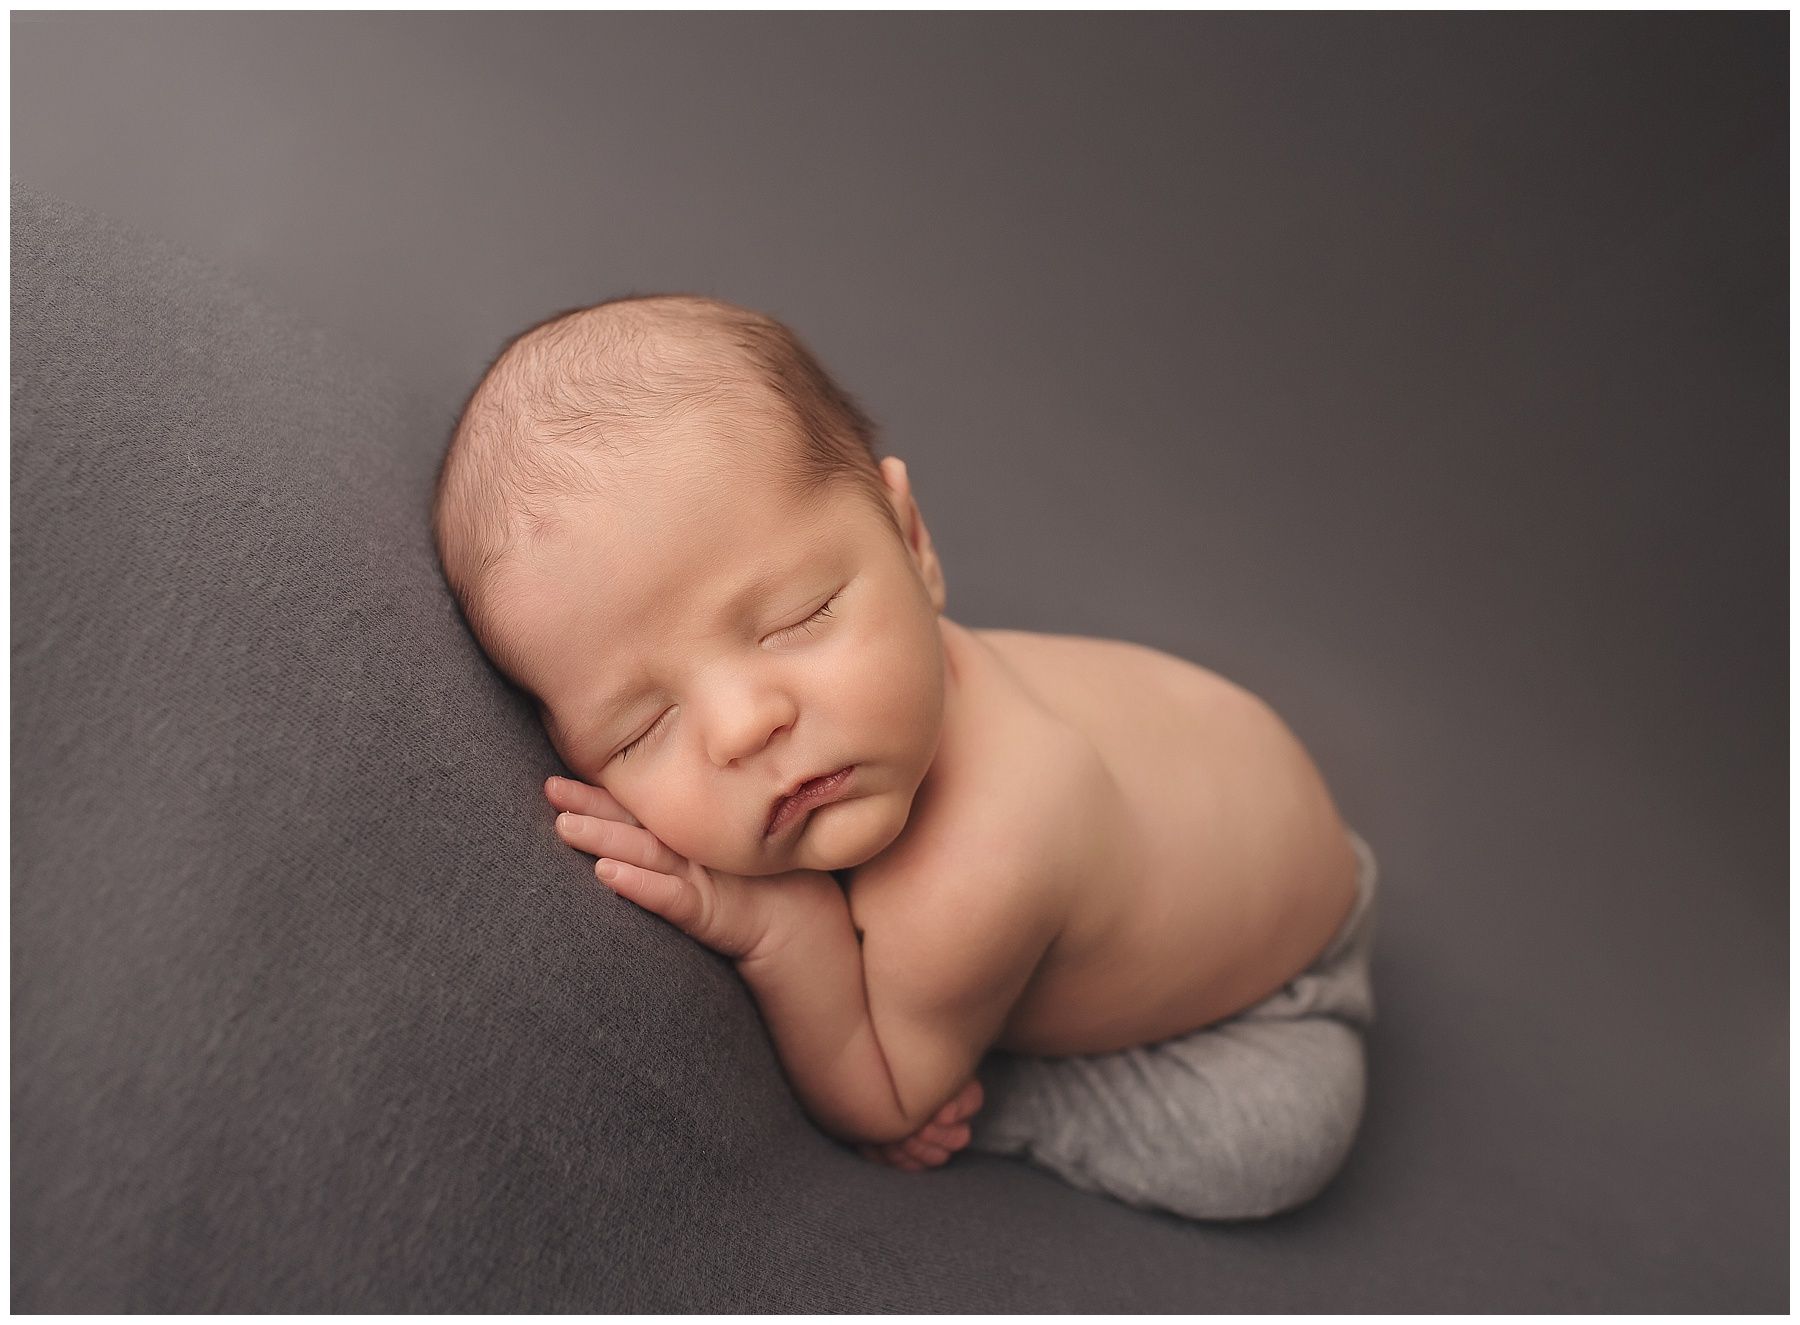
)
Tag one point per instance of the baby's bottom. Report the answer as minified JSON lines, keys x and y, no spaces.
{"x":1244,"y":1118}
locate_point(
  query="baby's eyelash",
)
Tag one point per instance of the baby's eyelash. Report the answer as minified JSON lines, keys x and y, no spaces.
{"x":824,"y":609}
{"x":646,"y":736}
{"x":823,"y":612}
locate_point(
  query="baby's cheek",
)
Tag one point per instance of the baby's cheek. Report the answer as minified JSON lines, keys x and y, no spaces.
{"x":690,"y":830}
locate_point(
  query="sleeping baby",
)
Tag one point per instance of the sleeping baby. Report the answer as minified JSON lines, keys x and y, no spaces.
{"x":1063,"y":898}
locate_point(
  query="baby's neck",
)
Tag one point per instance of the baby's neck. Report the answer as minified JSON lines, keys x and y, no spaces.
{"x":965,"y":662}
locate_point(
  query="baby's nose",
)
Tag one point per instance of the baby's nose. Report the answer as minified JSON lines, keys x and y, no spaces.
{"x":737,"y":732}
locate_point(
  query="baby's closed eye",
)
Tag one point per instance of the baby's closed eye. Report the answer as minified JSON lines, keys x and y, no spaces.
{"x":820,"y":615}
{"x":654,"y":728}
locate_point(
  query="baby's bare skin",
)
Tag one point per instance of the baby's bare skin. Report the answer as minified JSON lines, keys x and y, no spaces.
{"x":1055,"y":845}
{"x":1090,"y":995}
{"x":1225,"y":865}
{"x":1160,"y":823}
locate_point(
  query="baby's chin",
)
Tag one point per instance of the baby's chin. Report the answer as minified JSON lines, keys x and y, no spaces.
{"x":851,"y":833}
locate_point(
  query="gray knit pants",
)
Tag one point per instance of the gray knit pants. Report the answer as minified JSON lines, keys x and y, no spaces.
{"x":1244,"y":1118}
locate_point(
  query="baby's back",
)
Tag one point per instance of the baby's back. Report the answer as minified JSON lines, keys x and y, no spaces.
{"x":1222,"y":867}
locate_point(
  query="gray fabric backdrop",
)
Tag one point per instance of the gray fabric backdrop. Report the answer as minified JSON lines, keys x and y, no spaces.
{"x":1424,"y":373}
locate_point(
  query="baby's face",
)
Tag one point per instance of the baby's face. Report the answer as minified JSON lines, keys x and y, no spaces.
{"x":698,"y":648}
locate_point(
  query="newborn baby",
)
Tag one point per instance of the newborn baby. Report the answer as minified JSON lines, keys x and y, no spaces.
{"x":1095,"y":888}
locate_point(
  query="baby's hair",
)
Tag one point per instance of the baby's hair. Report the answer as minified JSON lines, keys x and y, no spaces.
{"x":606,"y":380}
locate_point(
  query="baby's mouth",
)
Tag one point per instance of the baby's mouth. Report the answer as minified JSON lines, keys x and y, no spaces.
{"x":813,"y":792}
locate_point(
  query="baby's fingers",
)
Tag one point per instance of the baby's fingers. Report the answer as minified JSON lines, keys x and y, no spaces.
{"x":711,"y":910}
{"x":580,"y":798}
{"x":664,"y":894}
{"x":618,"y":841}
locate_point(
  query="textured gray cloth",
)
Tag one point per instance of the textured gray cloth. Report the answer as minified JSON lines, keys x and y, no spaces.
{"x":1242,"y":1119}
{"x":311,"y":1011}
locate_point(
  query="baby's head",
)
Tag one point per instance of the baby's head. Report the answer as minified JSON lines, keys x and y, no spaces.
{"x":665,"y":522}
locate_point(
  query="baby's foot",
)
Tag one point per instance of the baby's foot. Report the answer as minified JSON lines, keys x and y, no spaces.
{"x":946,"y":1133}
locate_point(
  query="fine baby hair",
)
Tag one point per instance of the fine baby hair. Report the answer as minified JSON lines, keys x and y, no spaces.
{"x":602,"y":382}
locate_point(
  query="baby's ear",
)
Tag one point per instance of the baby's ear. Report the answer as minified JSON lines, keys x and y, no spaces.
{"x":913,"y":530}
{"x":899,"y":486}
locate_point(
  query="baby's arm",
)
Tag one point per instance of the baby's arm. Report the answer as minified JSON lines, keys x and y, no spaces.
{"x":808,"y":981}
{"x":877,"y":1038}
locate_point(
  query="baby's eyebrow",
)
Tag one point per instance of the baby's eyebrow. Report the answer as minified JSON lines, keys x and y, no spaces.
{"x":609,"y":711}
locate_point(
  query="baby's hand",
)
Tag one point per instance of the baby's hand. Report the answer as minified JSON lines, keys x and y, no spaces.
{"x":937,"y":1140}
{"x":728,"y":913}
